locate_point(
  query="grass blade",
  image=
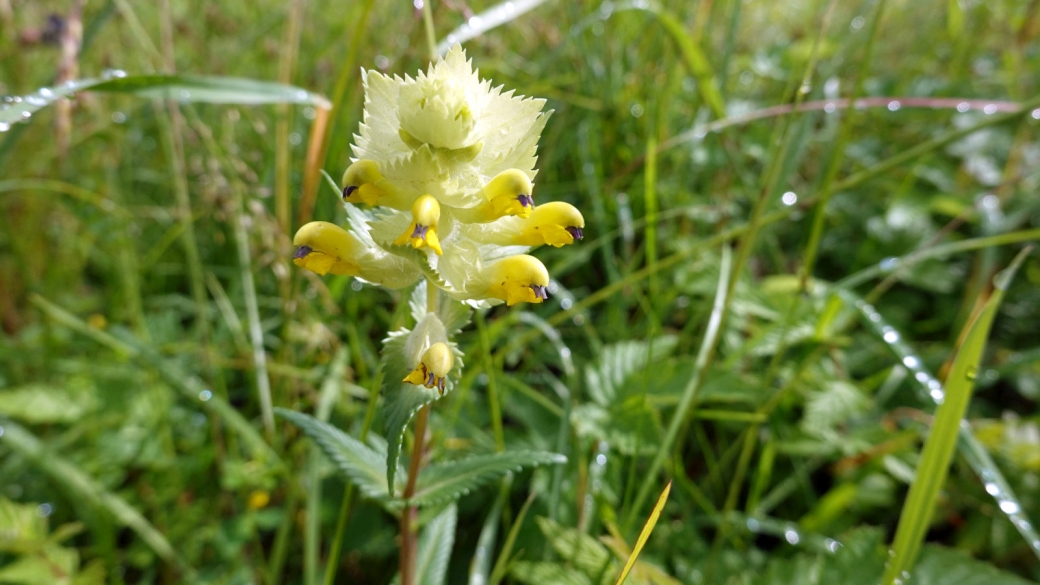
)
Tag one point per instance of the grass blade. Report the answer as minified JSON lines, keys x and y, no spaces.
{"x":711,"y":336}
{"x":938,"y":448}
{"x":645,"y":534}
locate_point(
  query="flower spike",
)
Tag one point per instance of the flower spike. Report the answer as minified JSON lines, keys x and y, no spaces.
{"x":423,"y":229}
{"x":433,"y":368}
{"x":517,"y":279}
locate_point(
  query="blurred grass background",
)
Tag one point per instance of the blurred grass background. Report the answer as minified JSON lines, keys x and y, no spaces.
{"x":128,"y":303}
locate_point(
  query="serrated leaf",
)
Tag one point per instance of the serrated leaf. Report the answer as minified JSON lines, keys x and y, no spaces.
{"x":940,"y":565}
{"x":435,"y":546}
{"x":358,"y":463}
{"x":542,"y":573}
{"x":585,"y":552}
{"x":446,"y":481}
{"x":606,"y":380}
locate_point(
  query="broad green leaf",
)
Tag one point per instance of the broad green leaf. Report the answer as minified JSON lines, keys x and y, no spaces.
{"x":940,"y":565}
{"x":184,"y":88}
{"x":619,"y":364}
{"x":447,"y":481}
{"x":542,"y":573}
{"x":583,"y":551}
{"x":359,"y":464}
{"x":434,"y":550}
{"x":942,"y":439}
{"x":42,"y":404}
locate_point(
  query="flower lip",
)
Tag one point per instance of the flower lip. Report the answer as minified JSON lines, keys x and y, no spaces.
{"x":302,"y":252}
{"x":349,"y":190}
{"x":540,"y":292}
{"x":525,"y":200}
{"x":420,"y":231}
{"x":575,"y":232}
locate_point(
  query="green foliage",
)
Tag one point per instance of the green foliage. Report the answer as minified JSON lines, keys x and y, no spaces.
{"x":360,"y":464}
{"x":440,"y":482}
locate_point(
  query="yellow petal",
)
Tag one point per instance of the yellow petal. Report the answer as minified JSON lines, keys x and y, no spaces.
{"x":517,"y":279}
{"x":555,"y":223}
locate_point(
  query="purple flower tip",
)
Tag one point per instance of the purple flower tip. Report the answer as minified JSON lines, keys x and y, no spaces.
{"x":302,"y":252}
{"x":576,"y":232}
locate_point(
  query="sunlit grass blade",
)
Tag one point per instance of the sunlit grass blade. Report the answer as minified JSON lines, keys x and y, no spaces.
{"x":644,"y":535}
{"x":711,"y":335}
{"x":478,"y":24}
{"x":938,"y":448}
{"x":967,"y":444}
{"x":182,"y":88}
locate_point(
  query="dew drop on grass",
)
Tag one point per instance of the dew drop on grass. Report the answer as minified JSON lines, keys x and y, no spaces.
{"x":830,"y":108}
{"x":1009,"y":507}
{"x":791,"y":536}
{"x":889,"y":334}
{"x":205,"y":395}
{"x":972,"y":373}
{"x":963,"y":107}
{"x":894,"y":105}
{"x":4,"y":126}
{"x":832,"y":545}
{"x":889,"y":264}
{"x":1036,"y":114}
{"x":789,"y":198}
{"x":990,"y":109}
{"x":911,"y":362}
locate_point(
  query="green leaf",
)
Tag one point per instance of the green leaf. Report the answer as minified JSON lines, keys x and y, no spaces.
{"x":585,"y":552}
{"x":940,"y":565}
{"x":43,"y":404}
{"x":359,"y":464}
{"x":608,"y":379}
{"x":542,"y":573}
{"x":85,"y":488}
{"x":183,"y":88}
{"x":447,"y":481}
{"x":434,"y":551}
{"x":938,"y":448}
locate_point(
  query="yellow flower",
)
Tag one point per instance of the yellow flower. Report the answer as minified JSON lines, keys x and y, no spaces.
{"x":431,"y":371}
{"x":423,"y":229}
{"x":323,"y":247}
{"x":516,"y":279}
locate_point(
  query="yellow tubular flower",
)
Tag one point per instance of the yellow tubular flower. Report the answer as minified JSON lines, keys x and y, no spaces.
{"x":360,"y":183}
{"x":555,"y":223}
{"x":433,"y":368}
{"x":323,"y":247}
{"x":509,"y":193}
{"x":517,"y":279}
{"x":423,"y":229}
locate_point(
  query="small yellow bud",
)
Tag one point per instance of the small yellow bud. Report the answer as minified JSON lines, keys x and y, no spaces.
{"x":433,"y":367}
{"x":517,"y":279}
{"x":360,"y":183}
{"x":509,"y":193}
{"x":555,"y":223}
{"x":258,"y":500}
{"x":426,"y":212}
{"x":323,"y":247}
